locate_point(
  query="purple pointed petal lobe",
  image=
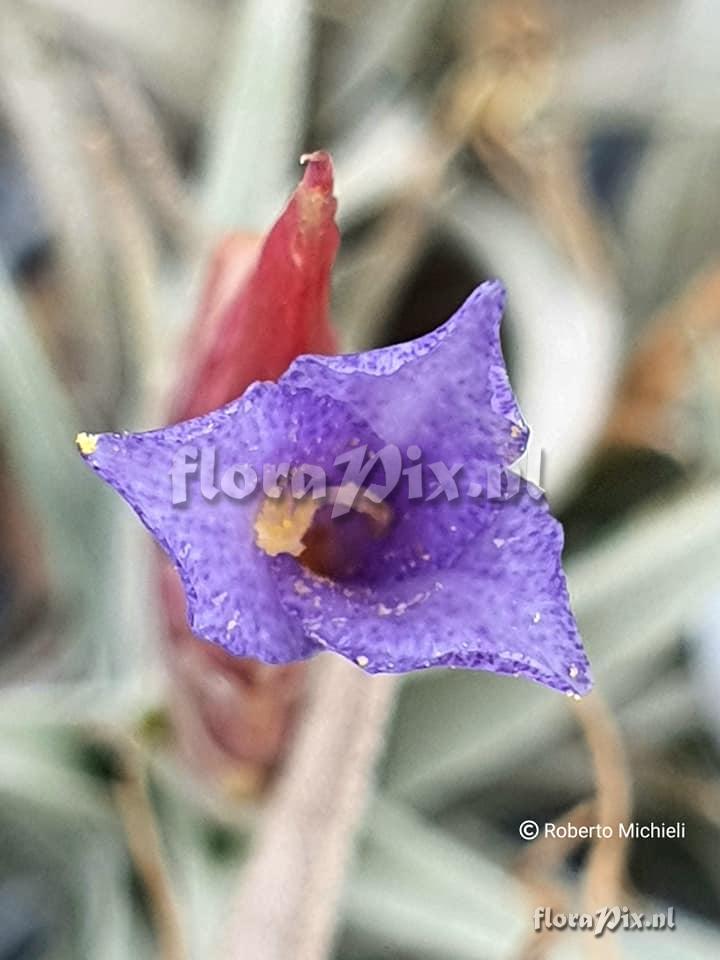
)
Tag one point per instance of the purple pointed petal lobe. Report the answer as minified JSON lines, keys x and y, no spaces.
{"x":446,"y":387}
{"x":231,"y":590}
{"x":502,"y":605}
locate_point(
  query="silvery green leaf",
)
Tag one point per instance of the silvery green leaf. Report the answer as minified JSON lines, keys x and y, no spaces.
{"x":387,"y":915}
{"x":38,"y":425}
{"x":41,"y":772}
{"x":670,"y":222}
{"x":691,"y":88}
{"x":172,"y":43}
{"x":43,"y":101}
{"x":567,"y":331}
{"x":372,"y":160}
{"x":615,"y":64}
{"x":387,"y":43}
{"x":415,"y":853}
{"x":390,"y":915}
{"x":253,"y":133}
{"x":705,"y":637}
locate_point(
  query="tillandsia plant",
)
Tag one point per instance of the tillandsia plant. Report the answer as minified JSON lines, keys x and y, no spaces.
{"x":361,"y":504}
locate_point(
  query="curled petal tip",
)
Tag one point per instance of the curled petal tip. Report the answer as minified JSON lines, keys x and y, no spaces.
{"x":319,"y":170}
{"x":498,"y":287}
{"x":581,"y":684}
{"x":494,"y":288}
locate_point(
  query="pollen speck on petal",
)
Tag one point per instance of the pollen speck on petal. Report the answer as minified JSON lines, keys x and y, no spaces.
{"x":86,"y":443}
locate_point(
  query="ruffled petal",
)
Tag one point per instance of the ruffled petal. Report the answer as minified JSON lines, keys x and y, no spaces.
{"x":470,"y":582}
{"x":229,"y":583}
{"x":447,"y":392}
{"x":502,"y":605}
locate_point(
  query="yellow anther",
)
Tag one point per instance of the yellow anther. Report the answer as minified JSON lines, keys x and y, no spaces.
{"x":87,"y":443}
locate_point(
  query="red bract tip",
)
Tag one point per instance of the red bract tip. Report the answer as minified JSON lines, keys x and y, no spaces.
{"x":261,"y":310}
{"x":319,"y":171}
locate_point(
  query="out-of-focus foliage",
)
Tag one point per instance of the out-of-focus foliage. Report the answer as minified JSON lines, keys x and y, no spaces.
{"x":568,"y":148}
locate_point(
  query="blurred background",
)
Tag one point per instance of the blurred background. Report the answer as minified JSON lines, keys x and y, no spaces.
{"x":571,"y":149}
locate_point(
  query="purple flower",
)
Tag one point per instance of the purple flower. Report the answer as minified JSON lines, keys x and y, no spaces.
{"x":470,"y":581}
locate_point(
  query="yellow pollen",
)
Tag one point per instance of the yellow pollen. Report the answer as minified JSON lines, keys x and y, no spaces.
{"x":87,"y":443}
{"x":281,"y":524}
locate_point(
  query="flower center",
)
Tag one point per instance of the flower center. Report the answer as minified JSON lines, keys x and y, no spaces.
{"x":333,"y":546}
